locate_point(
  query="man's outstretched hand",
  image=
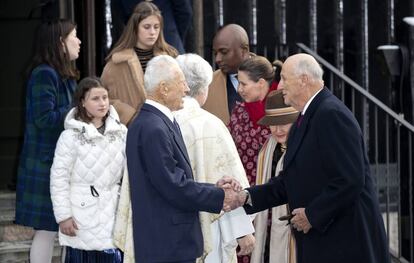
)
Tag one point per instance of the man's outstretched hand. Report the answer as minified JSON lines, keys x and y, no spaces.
{"x":229,"y":182}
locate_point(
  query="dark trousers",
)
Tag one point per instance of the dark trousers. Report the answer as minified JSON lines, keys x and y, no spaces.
{"x":74,"y":255}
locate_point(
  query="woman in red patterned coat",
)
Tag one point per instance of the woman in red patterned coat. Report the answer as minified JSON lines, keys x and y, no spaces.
{"x":256,"y":80}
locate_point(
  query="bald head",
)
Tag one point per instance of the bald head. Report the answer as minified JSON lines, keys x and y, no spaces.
{"x":305,"y":64}
{"x":230,"y":47}
{"x":301,"y":78}
{"x":236,"y":33}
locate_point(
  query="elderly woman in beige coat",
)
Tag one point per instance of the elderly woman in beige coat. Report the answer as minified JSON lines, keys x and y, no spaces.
{"x":141,"y":40}
{"x":274,"y":240}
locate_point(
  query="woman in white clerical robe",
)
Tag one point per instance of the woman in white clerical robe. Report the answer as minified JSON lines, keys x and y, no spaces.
{"x":212,"y":154}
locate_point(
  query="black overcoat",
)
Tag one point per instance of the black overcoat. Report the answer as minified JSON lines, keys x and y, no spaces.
{"x":326,"y":171}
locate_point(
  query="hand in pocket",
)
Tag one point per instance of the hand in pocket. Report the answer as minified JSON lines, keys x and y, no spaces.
{"x":68,"y":227}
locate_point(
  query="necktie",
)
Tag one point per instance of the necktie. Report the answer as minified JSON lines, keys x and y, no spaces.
{"x":299,"y":121}
{"x":177,"y":127}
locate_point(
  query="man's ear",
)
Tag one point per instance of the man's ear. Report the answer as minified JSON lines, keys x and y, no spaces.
{"x":245,"y":51}
{"x":164,"y":88}
{"x":304,"y":79}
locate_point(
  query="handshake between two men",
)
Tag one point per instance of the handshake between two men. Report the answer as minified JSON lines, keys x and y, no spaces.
{"x":235,"y":196}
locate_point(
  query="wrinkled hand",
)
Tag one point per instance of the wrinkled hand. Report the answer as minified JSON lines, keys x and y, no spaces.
{"x":300,"y":221}
{"x":68,"y":227}
{"x":231,"y":200}
{"x":246,"y":244}
{"x":229,"y":182}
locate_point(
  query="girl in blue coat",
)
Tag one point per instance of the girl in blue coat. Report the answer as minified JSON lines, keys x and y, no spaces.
{"x":49,"y":94}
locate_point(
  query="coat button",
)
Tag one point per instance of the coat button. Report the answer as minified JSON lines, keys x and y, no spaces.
{"x":83,"y":204}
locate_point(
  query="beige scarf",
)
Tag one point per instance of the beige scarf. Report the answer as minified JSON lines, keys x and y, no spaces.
{"x":282,"y":246}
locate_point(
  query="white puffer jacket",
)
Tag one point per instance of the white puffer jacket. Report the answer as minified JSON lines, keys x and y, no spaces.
{"x":85,"y":177}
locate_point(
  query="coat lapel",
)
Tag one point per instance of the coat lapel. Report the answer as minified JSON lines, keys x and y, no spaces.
{"x":179,"y":141}
{"x":177,"y":137}
{"x":297,"y":133}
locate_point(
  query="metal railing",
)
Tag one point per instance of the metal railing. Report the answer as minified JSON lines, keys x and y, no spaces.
{"x":389,"y":139}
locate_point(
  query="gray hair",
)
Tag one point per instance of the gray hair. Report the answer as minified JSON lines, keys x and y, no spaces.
{"x":159,"y":68}
{"x":309,"y":67}
{"x":198,"y":73}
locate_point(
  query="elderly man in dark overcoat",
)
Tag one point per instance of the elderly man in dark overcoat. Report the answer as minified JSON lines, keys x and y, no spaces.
{"x":165,"y":199}
{"x":326,"y":176}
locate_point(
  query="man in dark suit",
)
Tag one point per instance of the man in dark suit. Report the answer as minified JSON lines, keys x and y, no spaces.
{"x":165,"y":199}
{"x":326,"y":176}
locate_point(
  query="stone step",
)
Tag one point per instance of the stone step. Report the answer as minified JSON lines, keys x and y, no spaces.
{"x":14,"y":252}
{"x":6,"y":216}
{"x":12,"y":233}
{"x":7,"y":200}
{"x":15,"y":240}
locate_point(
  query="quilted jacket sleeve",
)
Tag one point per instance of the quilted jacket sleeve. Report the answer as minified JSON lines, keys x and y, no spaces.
{"x":60,"y":173}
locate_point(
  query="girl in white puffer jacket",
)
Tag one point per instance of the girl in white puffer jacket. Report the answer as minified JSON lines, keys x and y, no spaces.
{"x":85,"y":175}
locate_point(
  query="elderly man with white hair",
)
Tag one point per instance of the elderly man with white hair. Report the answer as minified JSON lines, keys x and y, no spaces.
{"x":165,"y":199}
{"x":326,"y":178}
{"x":212,"y":154}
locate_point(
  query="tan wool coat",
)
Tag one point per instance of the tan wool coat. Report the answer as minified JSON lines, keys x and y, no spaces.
{"x":216,"y":102}
{"x":124,"y":78}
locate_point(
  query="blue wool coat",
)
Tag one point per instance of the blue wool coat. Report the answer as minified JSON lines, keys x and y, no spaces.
{"x":326,"y":171}
{"x":48,"y":99}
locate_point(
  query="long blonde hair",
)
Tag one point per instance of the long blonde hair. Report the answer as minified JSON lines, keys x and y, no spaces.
{"x":129,"y":37}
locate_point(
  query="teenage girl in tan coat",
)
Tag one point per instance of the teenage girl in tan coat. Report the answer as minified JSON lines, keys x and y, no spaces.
{"x":141,"y":40}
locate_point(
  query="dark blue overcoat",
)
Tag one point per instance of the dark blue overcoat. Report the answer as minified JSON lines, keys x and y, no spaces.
{"x":326,"y":171}
{"x":165,"y":199}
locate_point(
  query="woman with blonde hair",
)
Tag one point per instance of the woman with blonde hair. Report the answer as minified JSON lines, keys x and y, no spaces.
{"x":141,"y":40}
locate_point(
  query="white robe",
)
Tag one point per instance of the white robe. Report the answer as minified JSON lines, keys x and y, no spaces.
{"x":213,"y":154}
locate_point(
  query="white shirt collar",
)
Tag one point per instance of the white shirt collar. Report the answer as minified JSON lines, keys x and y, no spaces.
{"x":309,"y":102}
{"x":166,"y":111}
{"x":234,"y":80}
